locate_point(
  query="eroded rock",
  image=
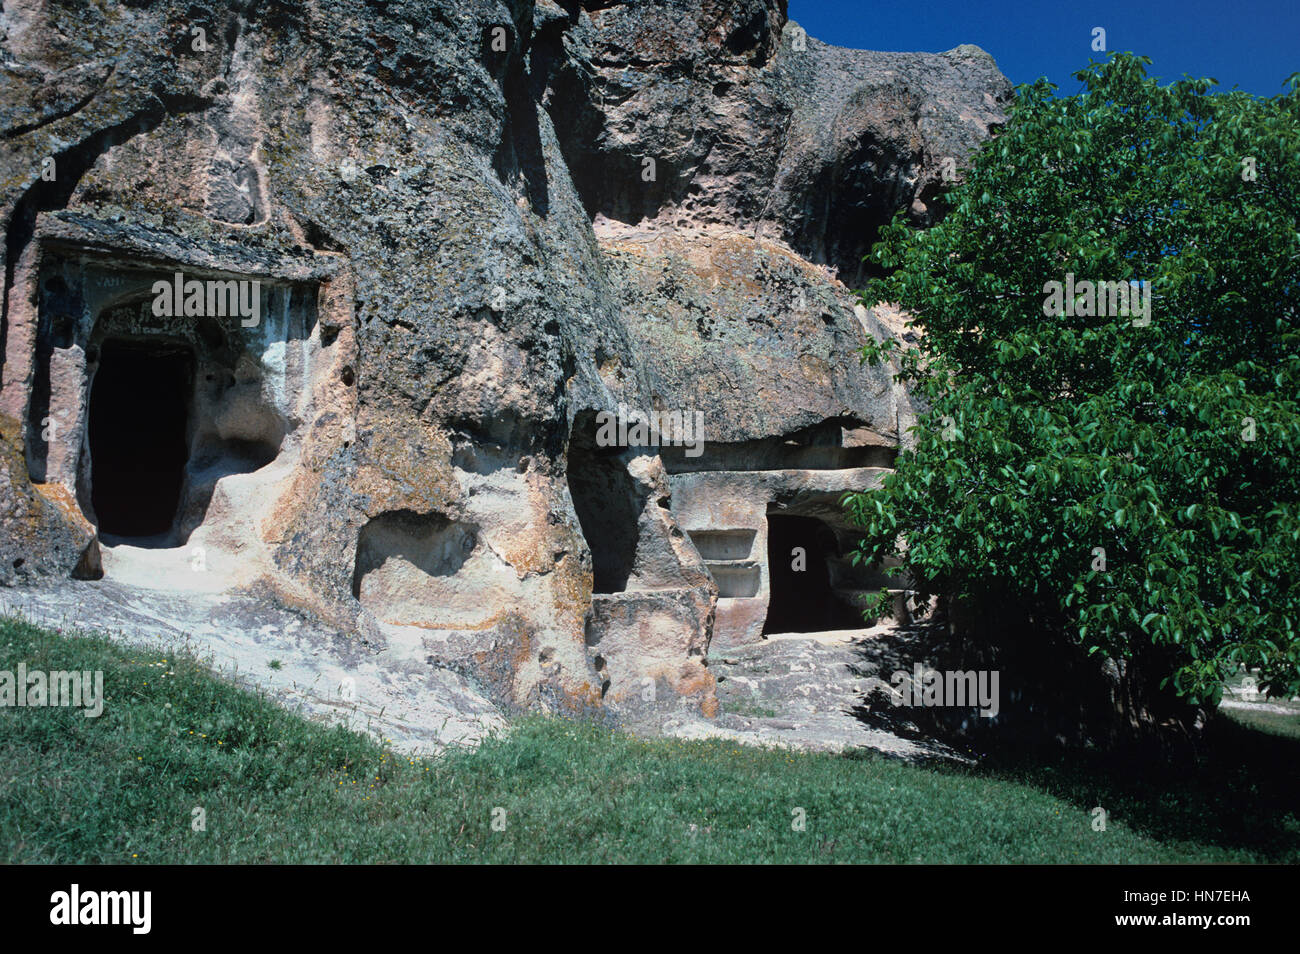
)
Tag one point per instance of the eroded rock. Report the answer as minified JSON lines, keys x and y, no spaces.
{"x":461,"y":263}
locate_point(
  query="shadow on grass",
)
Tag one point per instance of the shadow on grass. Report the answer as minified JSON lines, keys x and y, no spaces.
{"x":1242,"y":790}
{"x":1237,"y":786}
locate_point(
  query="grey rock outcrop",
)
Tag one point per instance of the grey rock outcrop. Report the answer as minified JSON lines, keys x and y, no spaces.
{"x":461,"y":264}
{"x":751,"y":123}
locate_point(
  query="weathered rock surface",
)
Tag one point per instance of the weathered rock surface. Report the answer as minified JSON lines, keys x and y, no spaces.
{"x":761,"y":127}
{"x":743,"y":329}
{"x":461,"y":264}
{"x":327,"y":677}
{"x":43,"y":532}
{"x":810,"y":692}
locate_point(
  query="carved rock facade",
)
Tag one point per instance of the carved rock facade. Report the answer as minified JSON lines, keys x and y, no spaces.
{"x":466,"y":234}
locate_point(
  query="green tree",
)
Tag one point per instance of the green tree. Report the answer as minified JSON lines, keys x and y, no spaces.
{"x":1129,"y":485}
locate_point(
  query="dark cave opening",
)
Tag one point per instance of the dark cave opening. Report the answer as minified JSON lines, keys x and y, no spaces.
{"x":801,"y":597}
{"x":608,"y":506}
{"x":138,"y":417}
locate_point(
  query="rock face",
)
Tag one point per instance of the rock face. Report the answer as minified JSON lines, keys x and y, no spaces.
{"x":364,"y":308}
{"x":753,"y":124}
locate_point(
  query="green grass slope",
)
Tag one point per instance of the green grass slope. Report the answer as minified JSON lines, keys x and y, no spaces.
{"x":274,"y":787}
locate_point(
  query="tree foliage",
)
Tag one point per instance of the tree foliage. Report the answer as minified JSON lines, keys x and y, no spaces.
{"x":1055,"y":445}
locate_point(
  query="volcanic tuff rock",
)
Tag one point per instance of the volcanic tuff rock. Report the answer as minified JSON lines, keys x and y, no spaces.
{"x":753,"y":124}
{"x":464,"y":256}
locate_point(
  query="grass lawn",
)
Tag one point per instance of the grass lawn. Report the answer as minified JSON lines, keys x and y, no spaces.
{"x":122,"y":788}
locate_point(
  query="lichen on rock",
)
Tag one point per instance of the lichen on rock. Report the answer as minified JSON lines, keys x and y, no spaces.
{"x":477,"y":226}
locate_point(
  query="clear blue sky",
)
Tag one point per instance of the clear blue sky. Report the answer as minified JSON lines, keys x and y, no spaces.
{"x":1253,"y":44}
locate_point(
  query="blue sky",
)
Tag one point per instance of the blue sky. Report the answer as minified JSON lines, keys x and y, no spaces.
{"x":1254,"y":44}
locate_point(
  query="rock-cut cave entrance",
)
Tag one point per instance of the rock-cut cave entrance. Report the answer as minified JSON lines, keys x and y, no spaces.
{"x":801,"y":598}
{"x":138,"y":418}
{"x":607,"y":503}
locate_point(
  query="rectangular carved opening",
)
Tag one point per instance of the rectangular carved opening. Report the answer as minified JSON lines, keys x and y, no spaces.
{"x":138,"y":418}
{"x":723,"y":544}
{"x":736,"y":582}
